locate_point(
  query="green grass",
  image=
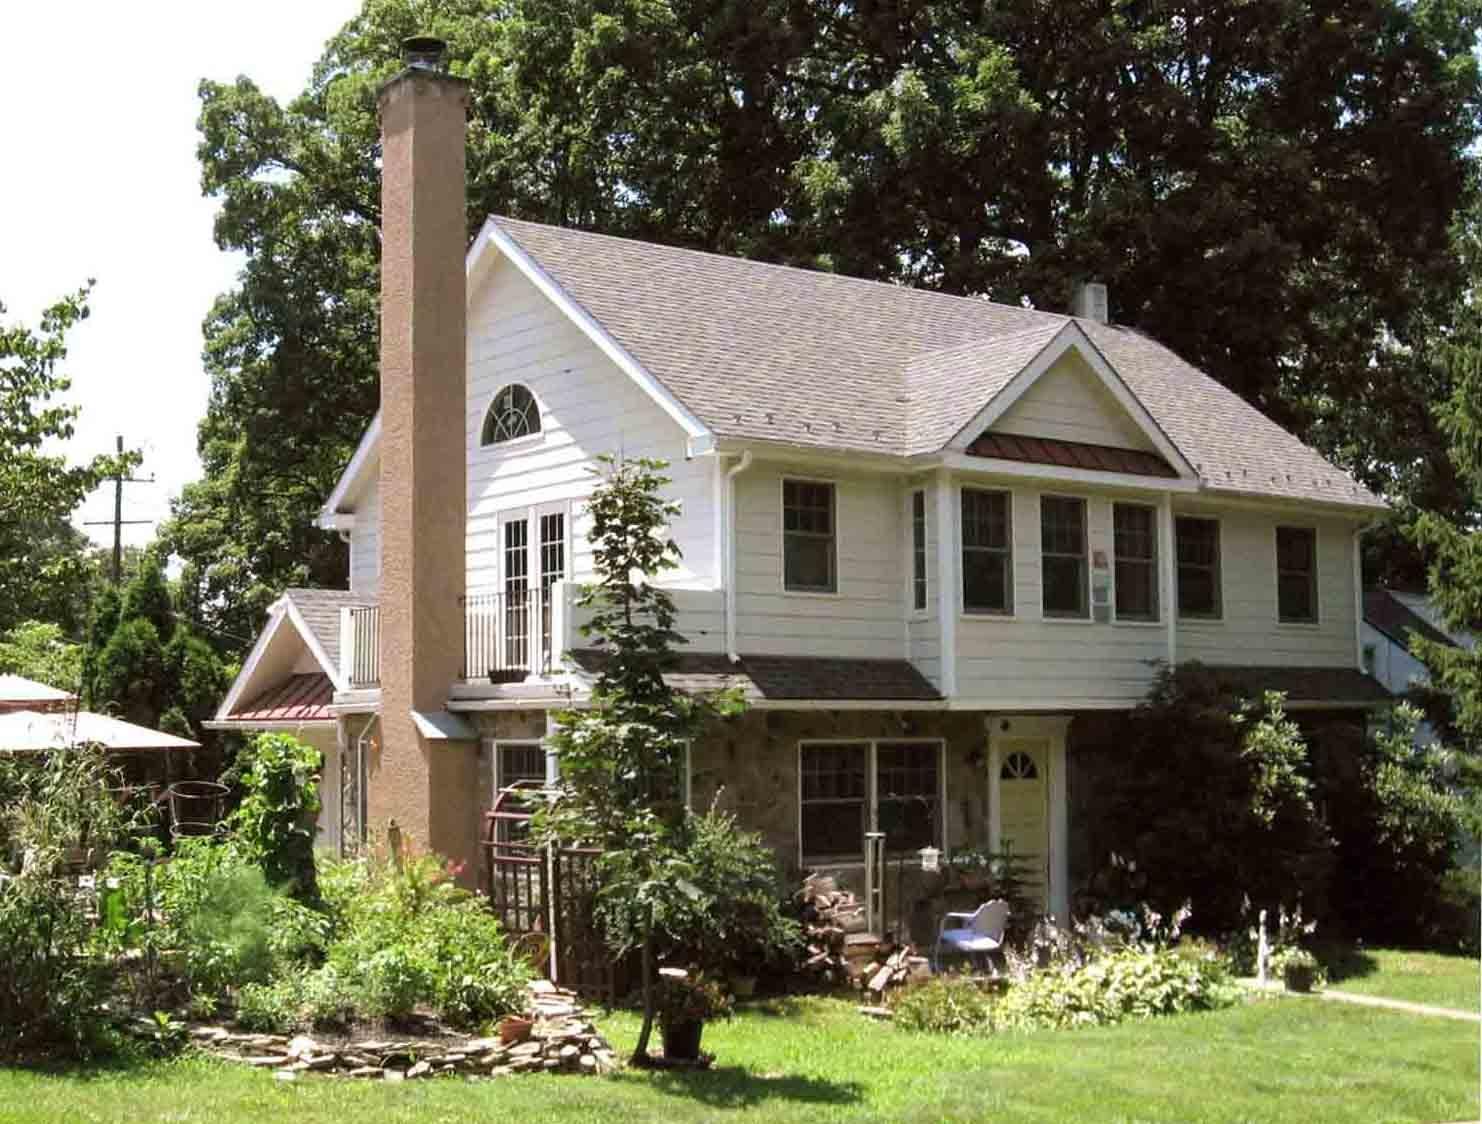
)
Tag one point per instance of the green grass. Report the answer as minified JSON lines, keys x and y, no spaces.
{"x":1275,"y":1059}
{"x":1419,"y":977}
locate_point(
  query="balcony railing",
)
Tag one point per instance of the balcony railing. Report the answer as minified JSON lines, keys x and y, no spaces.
{"x":506,"y":635}
{"x":365,"y":646}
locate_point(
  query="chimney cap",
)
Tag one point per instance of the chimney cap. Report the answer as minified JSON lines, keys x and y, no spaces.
{"x":423,"y":52}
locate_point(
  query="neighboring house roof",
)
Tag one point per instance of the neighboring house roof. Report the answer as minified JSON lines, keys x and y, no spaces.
{"x":1386,"y":613}
{"x":1070,"y":454}
{"x":27,"y":731}
{"x":767,"y":352}
{"x":320,"y":611}
{"x":299,"y":698}
{"x":795,"y":678}
{"x":1309,"y":686}
{"x":19,"y":693}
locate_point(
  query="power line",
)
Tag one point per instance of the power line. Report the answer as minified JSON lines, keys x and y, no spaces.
{"x":118,"y":521}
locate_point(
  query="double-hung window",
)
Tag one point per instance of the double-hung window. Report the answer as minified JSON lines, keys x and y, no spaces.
{"x":809,"y":550}
{"x":1296,"y":574}
{"x":849,"y":788}
{"x":1197,"y":542}
{"x":1135,"y":553}
{"x":521,"y":766}
{"x":1063,"y":565}
{"x":918,"y":551}
{"x":987,"y":552}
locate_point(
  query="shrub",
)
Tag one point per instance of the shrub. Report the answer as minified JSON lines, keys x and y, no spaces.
{"x":474,"y":974}
{"x":52,"y":982}
{"x":274,"y":821}
{"x":1298,"y":969}
{"x":946,"y":1005}
{"x":270,"y":1008}
{"x":1124,"y":984}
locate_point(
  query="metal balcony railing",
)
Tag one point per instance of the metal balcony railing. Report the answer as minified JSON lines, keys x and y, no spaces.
{"x":507,"y":635}
{"x":365,"y":646}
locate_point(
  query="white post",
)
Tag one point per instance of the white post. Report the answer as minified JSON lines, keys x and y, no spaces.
{"x":347,"y":645}
{"x":948,"y":582}
{"x":1059,"y":867}
{"x":1167,"y":556}
{"x":1261,"y":952}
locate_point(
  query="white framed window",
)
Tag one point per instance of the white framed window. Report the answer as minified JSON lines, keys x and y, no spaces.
{"x":512,"y":414}
{"x":809,"y":538}
{"x":1135,"y":558}
{"x":987,"y":551}
{"x":849,"y":787}
{"x":918,"y":551}
{"x":1296,"y":575}
{"x":1063,"y":559}
{"x":517,"y":764}
{"x":1197,"y":548}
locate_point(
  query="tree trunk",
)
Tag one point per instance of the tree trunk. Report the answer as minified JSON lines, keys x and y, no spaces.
{"x":640,"y":1051}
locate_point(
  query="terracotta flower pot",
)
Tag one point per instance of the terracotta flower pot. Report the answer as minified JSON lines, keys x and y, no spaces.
{"x":514,"y":1028}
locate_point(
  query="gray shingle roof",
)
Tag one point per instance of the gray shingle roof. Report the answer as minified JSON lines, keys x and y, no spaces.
{"x":1309,"y":685}
{"x":1391,"y":616}
{"x":768,"y":352}
{"x":320,"y":609}
{"x":789,"y":677}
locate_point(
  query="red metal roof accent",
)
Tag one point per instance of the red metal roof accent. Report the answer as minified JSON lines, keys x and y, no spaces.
{"x":299,"y":698}
{"x":1069,"y":454}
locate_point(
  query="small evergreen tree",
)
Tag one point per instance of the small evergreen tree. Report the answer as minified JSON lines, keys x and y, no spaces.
{"x":621,"y":755}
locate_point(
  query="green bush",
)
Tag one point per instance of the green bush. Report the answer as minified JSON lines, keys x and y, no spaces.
{"x":473,"y":973}
{"x":270,"y":1008}
{"x":275,"y":820}
{"x":1129,"y":983}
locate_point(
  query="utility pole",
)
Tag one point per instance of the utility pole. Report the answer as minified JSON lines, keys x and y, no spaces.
{"x":118,"y":521}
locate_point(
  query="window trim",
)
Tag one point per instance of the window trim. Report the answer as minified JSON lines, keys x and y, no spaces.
{"x":913,"y":581}
{"x":965,"y":609}
{"x":833,"y":485}
{"x":1218,"y":616}
{"x":1156,"y":562}
{"x":1085,"y":556}
{"x":1276,"y":571}
{"x":872,"y":794}
{"x":524,"y":438}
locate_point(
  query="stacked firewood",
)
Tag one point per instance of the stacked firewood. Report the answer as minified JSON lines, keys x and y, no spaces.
{"x":830,"y":916}
{"x":899,"y":967}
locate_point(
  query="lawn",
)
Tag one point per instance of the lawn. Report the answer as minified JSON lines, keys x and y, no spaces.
{"x":1419,"y":977}
{"x":1273,"y":1059}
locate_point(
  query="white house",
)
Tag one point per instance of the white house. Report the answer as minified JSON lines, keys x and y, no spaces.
{"x":933,"y":537}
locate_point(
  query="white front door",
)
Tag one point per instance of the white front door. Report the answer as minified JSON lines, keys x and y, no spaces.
{"x":1023,"y":795}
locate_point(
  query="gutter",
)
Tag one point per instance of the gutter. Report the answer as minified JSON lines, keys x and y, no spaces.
{"x":730,"y":540}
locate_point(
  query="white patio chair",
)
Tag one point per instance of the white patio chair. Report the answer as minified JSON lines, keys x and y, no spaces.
{"x":982,"y":935}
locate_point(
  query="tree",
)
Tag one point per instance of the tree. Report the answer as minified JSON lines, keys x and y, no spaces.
{"x":1267,"y":187}
{"x":621,"y":756}
{"x":39,"y":650}
{"x":43,"y":565}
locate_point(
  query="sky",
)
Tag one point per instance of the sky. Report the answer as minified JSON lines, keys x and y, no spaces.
{"x":100,"y":180}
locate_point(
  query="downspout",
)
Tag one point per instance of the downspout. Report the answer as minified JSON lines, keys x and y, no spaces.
{"x":730,"y":547}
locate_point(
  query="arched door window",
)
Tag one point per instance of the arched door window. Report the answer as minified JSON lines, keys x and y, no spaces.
{"x":512,"y":414}
{"x":1018,"y":767}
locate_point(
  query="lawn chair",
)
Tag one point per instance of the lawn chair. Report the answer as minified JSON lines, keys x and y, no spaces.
{"x":981,"y":936}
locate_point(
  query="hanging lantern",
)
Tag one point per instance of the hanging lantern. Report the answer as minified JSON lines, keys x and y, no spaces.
{"x":930,"y":859}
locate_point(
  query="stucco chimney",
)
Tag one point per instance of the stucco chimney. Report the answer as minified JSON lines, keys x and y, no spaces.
{"x":419,"y":783}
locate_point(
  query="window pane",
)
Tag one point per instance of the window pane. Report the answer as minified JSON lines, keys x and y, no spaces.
{"x":1198,"y":541}
{"x":833,"y":772}
{"x":985,"y":583}
{"x":985,"y":519}
{"x":1294,"y":592}
{"x":1136,"y":590}
{"x":908,"y":825}
{"x":808,"y":563}
{"x":1295,"y":548}
{"x":1134,"y":531}
{"x":1062,"y":525}
{"x":1065,"y":586}
{"x":906,"y":769}
{"x":834,"y":829}
{"x":1197,"y":594}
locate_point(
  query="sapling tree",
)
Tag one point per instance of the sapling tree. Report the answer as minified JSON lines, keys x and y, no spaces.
{"x":621,"y":755}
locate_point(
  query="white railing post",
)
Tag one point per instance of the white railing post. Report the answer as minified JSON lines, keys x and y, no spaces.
{"x":347,"y":645}
{"x":560,"y":615}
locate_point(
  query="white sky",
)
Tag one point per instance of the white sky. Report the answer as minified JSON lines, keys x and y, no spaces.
{"x":98,"y":105}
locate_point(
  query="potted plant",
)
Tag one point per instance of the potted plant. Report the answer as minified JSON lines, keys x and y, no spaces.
{"x":685,"y":1002}
{"x":1298,"y":969}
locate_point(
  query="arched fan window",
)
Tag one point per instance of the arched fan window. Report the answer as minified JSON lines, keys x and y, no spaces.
{"x":513,"y":413}
{"x":1018,"y":767}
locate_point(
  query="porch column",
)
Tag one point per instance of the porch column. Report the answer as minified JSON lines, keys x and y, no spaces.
{"x":1168,"y":563}
{"x":995,"y":806}
{"x":1059,"y":832}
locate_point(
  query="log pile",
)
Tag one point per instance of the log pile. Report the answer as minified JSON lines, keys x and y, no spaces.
{"x":900,"y":967}
{"x":830,"y":916}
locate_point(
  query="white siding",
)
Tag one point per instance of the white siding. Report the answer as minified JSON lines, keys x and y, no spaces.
{"x":365,"y":542}
{"x":1028,"y":660}
{"x":1394,"y":666}
{"x":866,"y":617}
{"x":1069,"y":402}
{"x":1249,"y":632}
{"x":588,"y":407}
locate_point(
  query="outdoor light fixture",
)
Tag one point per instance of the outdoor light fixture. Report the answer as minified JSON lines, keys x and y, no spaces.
{"x":930,"y":859}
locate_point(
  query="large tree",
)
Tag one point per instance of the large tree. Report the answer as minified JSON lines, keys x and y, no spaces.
{"x":1266,"y":186}
{"x":44,"y":567}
